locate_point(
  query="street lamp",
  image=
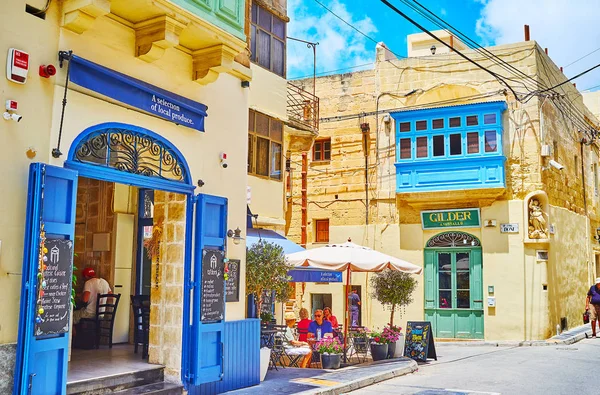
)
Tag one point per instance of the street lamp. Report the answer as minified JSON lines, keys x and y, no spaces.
{"x":236,"y":235}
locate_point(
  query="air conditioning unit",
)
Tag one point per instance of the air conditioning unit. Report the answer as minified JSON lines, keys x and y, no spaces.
{"x":546,"y":150}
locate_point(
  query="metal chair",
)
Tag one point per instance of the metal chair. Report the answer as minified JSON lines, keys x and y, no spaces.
{"x":140,"y":304}
{"x":104,"y":321}
{"x":359,"y":344}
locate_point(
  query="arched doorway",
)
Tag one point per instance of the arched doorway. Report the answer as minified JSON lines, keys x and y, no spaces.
{"x":454,"y":286}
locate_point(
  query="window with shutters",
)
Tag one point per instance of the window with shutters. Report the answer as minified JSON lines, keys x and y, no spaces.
{"x":322,"y":231}
{"x":265,"y":137}
{"x":267,"y":40}
{"x":322,"y":150}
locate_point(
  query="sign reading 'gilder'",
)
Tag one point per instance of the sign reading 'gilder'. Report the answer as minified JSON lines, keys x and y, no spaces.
{"x":461,"y":218}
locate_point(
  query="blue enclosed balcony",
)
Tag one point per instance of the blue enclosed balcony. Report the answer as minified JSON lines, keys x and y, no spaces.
{"x":450,"y":148}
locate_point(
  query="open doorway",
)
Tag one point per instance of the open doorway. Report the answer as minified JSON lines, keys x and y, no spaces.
{"x":113,"y":237}
{"x":319,"y":302}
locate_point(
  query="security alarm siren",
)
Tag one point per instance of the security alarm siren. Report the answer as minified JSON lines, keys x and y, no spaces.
{"x":47,"y":71}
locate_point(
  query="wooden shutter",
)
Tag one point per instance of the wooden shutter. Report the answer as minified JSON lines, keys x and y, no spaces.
{"x":322,"y":231}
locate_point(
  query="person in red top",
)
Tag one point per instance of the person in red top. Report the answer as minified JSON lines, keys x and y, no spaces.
{"x":303,"y":325}
{"x":331,"y":318}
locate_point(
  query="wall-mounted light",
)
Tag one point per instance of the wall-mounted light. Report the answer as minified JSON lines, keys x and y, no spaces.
{"x":236,"y":235}
{"x":597,"y":237}
{"x":432,"y":49}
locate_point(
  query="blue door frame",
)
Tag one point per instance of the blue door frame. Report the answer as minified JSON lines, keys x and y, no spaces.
{"x":193,"y":350}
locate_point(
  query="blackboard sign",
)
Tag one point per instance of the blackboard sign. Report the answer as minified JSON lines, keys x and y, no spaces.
{"x":419,"y":341}
{"x":56,"y":300}
{"x":232,"y":285}
{"x":268,"y":302}
{"x":213,"y":286}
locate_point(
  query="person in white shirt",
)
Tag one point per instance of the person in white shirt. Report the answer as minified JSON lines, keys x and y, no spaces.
{"x":92,"y":287}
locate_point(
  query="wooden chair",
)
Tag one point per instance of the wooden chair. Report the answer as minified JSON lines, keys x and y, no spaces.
{"x":140,"y":304}
{"x":104,"y":321}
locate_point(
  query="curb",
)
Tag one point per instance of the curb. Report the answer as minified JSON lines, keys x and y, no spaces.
{"x":364,"y":381}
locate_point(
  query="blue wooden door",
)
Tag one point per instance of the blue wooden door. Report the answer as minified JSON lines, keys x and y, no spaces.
{"x":41,"y":367}
{"x":207,"y":338}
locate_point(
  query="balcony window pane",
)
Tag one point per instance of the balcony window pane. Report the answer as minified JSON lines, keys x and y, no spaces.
{"x":264,"y":19}
{"x":264,"y":49}
{"x":276,"y":130}
{"x":472,"y":120}
{"x":318,"y":151}
{"x":262,"y":124}
{"x":421,"y":125}
{"x":254,"y":13}
{"x":278,"y":27}
{"x":278,"y":57}
{"x":455,"y":122}
{"x":251,"y":121}
{"x":438,"y":145}
{"x":405,"y":148}
{"x":455,"y":144}
{"x":438,"y":123}
{"x":253,"y":43}
{"x":421,"y":147}
{"x":489,"y":119}
{"x":250,"y":152}
{"x":405,"y":126}
{"x":327,"y":150}
{"x":473,"y":143}
{"x":262,"y":157}
{"x":491,"y":143}
{"x":276,"y":161}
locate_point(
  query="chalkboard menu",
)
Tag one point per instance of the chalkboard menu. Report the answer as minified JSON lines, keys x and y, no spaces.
{"x":419,"y":341}
{"x":232,"y":285}
{"x":56,"y":300}
{"x":268,"y":302}
{"x":213,"y":286}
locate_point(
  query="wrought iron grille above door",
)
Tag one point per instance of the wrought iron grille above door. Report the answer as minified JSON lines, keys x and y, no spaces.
{"x":453,"y":239}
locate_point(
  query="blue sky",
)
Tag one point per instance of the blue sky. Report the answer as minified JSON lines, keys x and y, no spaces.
{"x":569,"y":31}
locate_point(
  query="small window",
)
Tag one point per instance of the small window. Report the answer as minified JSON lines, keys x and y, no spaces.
{"x":405,"y":126}
{"x":422,"y":147}
{"x":491,"y":143}
{"x":405,"y":149}
{"x":455,"y":122}
{"x":267,"y":40}
{"x":265,"y":138}
{"x":421,"y":125}
{"x":438,"y":145}
{"x":472,"y":120}
{"x":322,"y":150}
{"x":438,"y":124}
{"x":455,"y":144}
{"x":473,"y":143}
{"x":489,"y":119}
{"x":322,"y":231}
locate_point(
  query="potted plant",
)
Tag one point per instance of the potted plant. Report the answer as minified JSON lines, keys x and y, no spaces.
{"x":392,"y":334}
{"x":266,"y":318}
{"x":331,"y":352}
{"x":379,"y":346}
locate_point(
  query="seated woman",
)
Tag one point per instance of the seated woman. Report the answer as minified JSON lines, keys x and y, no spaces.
{"x":303,"y":325}
{"x":293,"y":346}
{"x":331,"y":318}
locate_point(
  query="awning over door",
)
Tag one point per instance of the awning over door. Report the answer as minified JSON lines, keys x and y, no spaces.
{"x":137,"y":93}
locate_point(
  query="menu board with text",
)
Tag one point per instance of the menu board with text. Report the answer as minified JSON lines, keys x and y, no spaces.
{"x":212,"y":286}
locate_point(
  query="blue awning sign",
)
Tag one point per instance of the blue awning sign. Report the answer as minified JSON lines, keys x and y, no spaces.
{"x":137,"y":93}
{"x":314,"y":276}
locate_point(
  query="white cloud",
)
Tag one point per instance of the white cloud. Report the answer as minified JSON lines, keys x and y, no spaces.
{"x":569,"y":29}
{"x":339,"y":45}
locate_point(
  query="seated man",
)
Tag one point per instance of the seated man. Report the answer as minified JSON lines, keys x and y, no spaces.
{"x":319,"y":328}
{"x":92,"y":287}
{"x":293,"y":346}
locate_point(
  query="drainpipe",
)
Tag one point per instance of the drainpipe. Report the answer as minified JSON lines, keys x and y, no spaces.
{"x":304,"y":199}
{"x":365,"y":128}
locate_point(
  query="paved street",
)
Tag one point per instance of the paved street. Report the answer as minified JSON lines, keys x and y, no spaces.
{"x":500,"y":370}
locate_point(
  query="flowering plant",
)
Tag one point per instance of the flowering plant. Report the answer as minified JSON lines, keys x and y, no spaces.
{"x":378,"y":337}
{"x":391,"y":333}
{"x":359,"y":331}
{"x":329,"y":345}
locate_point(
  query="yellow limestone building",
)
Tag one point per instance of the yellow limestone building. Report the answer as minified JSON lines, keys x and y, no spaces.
{"x":131,"y":153}
{"x":433,"y":160}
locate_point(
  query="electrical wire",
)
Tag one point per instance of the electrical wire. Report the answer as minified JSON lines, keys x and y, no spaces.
{"x":583,"y":57}
{"x":43,"y":10}
{"x":572,"y":78}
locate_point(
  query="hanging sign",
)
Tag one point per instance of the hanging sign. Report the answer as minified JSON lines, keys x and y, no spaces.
{"x":419,"y":341}
{"x":212,"y":286}
{"x":232,"y":285}
{"x":55,"y":292}
{"x":314,"y":276}
{"x":461,"y":218}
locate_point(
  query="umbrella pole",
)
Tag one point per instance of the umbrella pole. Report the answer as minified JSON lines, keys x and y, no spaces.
{"x":346,"y":320}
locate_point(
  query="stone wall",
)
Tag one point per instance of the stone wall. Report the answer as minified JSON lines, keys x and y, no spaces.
{"x":166,"y":295}
{"x":8,"y":355}
{"x":94,"y":214}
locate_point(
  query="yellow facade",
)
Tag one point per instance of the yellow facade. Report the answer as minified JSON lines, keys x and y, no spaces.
{"x":531,"y":293}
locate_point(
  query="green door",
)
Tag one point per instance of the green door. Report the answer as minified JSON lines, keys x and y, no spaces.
{"x":453,"y":292}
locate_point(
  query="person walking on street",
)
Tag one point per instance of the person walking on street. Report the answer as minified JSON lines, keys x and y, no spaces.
{"x":354,"y":302}
{"x":592,"y":304}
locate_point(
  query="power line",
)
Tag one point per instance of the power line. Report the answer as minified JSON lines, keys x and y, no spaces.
{"x":583,"y":57}
{"x":572,"y":78}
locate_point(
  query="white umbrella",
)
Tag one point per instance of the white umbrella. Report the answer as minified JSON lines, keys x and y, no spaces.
{"x":341,"y":257}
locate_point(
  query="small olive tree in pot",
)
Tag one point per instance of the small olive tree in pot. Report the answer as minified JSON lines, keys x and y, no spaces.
{"x":266,"y":270}
{"x":393,"y":289}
